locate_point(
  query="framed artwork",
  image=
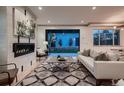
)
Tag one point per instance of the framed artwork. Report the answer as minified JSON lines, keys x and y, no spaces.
{"x":24,"y":25}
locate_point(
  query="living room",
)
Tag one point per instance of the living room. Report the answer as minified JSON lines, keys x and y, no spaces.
{"x":61,"y":46}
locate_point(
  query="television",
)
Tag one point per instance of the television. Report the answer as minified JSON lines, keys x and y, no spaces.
{"x":63,"y":40}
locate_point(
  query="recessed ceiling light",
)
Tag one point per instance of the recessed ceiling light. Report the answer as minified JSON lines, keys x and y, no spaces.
{"x":114,"y":27}
{"x":94,"y":8}
{"x":40,"y":8}
{"x":122,"y":28}
{"x":49,"y":21}
{"x":82,"y":21}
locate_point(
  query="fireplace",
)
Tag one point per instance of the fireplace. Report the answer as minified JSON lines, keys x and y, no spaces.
{"x":20,"y":49}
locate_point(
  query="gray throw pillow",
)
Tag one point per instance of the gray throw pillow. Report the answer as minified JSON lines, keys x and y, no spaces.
{"x":113,"y":56}
{"x":86,"y":52}
{"x":102,"y":57}
{"x":94,"y":54}
{"x":121,"y":59}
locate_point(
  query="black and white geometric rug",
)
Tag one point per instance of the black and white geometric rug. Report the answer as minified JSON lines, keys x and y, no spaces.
{"x":76,"y":76}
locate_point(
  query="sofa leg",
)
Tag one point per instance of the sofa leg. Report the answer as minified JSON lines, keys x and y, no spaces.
{"x":98,"y":82}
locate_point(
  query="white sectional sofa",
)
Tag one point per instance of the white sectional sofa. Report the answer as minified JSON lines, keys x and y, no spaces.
{"x":103,"y":69}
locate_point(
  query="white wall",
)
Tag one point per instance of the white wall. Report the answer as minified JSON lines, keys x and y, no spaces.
{"x":7,"y":29}
{"x":86,"y":37}
{"x":3,"y":36}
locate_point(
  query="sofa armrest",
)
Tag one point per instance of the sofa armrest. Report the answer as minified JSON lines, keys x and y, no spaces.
{"x":109,"y":69}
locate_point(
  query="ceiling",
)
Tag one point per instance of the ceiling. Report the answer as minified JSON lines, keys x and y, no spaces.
{"x":70,"y":15}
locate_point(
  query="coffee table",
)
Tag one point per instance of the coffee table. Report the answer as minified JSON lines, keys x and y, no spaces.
{"x":60,"y":65}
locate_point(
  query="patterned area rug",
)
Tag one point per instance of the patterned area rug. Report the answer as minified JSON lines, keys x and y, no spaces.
{"x":77,"y":75}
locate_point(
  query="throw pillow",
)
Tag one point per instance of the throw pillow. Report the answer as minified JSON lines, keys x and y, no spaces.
{"x":94,"y":54}
{"x":121,"y":59}
{"x":102,"y":57}
{"x":113,"y":56}
{"x":120,"y":82}
{"x":86,"y":52}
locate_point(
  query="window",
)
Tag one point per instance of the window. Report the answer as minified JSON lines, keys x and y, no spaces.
{"x":96,"y":37}
{"x":106,"y":37}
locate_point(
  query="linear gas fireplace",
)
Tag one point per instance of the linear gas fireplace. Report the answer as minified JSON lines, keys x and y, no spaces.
{"x":20,"y":49}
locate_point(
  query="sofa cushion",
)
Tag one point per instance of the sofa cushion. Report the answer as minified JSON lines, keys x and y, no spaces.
{"x":86,"y":52}
{"x":102,"y":57}
{"x":121,"y":58}
{"x":113,"y":56}
{"x":120,"y":82}
{"x":94,"y":54}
